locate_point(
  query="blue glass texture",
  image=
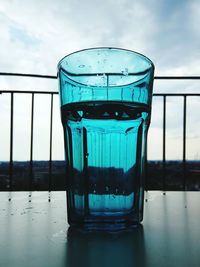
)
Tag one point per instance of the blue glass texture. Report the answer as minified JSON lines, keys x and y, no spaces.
{"x":105,"y":96}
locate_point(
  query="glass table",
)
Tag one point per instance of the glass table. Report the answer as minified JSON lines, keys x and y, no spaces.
{"x":36,"y":234}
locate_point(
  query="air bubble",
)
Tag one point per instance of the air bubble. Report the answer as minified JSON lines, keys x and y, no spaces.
{"x":125,"y":115}
{"x":106,"y":114}
{"x":80,"y":112}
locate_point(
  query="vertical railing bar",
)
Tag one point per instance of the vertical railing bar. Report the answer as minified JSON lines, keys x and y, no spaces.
{"x":50,"y":147}
{"x":184,"y":180}
{"x":31,"y":147}
{"x":11,"y":145}
{"x":164,"y":144}
{"x":184,"y":141}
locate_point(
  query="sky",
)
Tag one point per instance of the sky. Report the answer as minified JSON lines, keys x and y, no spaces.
{"x":35,"y":35}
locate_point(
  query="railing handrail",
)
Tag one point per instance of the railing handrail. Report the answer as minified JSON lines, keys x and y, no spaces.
{"x":52,"y":93}
{"x":28,"y":92}
{"x":28,"y":75}
{"x":56,"y":92}
{"x":167,"y":77}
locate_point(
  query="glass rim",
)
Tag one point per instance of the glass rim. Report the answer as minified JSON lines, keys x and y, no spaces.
{"x":145,"y":58}
{"x":107,"y":47}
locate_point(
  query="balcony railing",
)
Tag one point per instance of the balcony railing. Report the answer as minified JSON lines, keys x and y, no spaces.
{"x":164,"y":96}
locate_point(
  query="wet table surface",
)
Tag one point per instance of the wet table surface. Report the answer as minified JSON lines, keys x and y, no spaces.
{"x":36,"y":233}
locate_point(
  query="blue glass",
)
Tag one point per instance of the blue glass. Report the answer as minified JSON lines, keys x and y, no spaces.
{"x":105,"y":96}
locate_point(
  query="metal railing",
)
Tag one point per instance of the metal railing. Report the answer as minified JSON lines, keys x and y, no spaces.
{"x":33,"y":93}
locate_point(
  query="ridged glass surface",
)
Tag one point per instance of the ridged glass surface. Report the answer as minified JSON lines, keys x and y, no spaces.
{"x":105,"y":116}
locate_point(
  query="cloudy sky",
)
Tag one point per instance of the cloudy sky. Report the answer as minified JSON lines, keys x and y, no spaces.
{"x":36,"y":34}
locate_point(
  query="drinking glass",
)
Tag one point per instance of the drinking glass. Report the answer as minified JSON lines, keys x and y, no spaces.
{"x":105,"y":97}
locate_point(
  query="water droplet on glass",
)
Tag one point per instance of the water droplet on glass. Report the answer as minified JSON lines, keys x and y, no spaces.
{"x":129,"y":129}
{"x":103,"y":77}
{"x":125,"y":72}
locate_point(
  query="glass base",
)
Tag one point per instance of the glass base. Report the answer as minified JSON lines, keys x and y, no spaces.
{"x":108,"y":226}
{"x":108,"y":221}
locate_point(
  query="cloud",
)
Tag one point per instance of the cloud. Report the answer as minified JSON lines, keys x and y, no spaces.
{"x":20,"y":35}
{"x":194,"y":15}
{"x":163,"y":31}
{"x":35,"y":35}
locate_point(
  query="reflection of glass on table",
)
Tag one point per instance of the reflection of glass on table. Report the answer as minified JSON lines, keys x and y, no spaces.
{"x":125,"y":248}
